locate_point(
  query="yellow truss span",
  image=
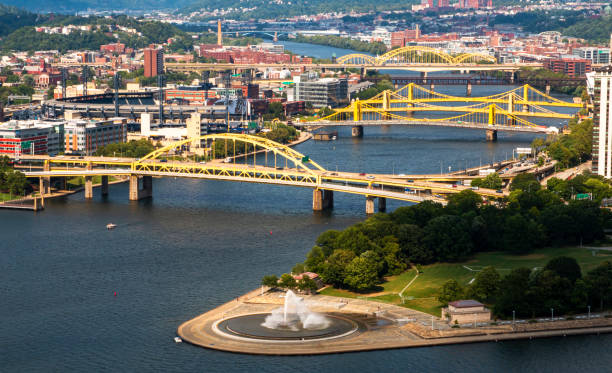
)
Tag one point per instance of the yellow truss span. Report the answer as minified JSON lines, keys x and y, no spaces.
{"x":257,"y":142}
{"x":415,"y":54}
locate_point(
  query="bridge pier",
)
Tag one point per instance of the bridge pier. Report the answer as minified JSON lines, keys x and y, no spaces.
{"x":548,"y":89}
{"x":147,"y":187}
{"x":491,"y":135}
{"x":432,"y":86}
{"x":44,"y":185}
{"x":369,"y":205}
{"x":468,"y":89}
{"x":382,"y":204}
{"x":424,"y":77}
{"x":88,"y":187}
{"x":104,"y":186}
{"x":322,"y":199}
{"x":357,"y":131}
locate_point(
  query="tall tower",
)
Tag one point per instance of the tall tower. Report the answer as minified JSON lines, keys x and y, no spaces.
{"x":219,"y":34}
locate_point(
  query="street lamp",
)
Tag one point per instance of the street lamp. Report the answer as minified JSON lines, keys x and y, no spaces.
{"x":513,"y":318}
{"x":589,"y":312}
{"x":552,"y":314}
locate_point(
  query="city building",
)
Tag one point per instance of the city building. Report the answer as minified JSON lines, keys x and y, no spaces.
{"x":31,"y":137}
{"x":466,"y":311}
{"x":321,"y":92}
{"x":596,"y":55}
{"x":600,"y":85}
{"x":153,"y":62}
{"x":569,"y":65}
{"x":85,"y":137}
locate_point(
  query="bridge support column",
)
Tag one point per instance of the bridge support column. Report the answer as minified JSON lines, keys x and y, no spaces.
{"x":369,"y":205}
{"x":357,"y":131}
{"x":104,"y":186}
{"x":432,"y":86}
{"x":322,"y":199}
{"x":548,"y":89}
{"x":491,"y":135}
{"x":147,"y":188}
{"x":468,"y":89}
{"x":44,"y":185}
{"x":88,"y":187}
{"x":382,"y":204}
{"x":424,"y":77}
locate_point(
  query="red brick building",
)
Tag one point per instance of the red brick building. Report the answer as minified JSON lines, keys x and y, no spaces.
{"x":153,"y":62}
{"x":572,"y":67}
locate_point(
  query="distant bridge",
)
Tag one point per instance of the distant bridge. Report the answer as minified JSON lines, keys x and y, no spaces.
{"x":501,"y":112}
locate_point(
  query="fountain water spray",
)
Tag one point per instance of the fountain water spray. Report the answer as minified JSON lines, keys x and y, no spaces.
{"x":294,"y":315}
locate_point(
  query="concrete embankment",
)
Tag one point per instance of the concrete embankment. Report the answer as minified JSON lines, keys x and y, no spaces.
{"x":407,"y":328}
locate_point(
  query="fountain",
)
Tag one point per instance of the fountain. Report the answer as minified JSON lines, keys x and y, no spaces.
{"x":294,"y":315}
{"x":293,"y":322}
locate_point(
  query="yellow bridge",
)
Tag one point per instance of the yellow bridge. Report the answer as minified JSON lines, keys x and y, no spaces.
{"x":505,"y":111}
{"x":247,"y":158}
{"x":416,"y":55}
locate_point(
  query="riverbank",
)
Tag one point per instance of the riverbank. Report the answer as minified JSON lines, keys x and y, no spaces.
{"x":389,"y":327}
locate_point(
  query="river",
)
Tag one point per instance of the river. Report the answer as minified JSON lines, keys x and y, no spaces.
{"x":198,"y":244}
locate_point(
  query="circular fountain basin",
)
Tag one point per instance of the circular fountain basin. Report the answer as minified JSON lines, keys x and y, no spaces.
{"x":249,"y":327}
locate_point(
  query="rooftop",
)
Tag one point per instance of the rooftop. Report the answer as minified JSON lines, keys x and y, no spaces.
{"x":465,"y":303}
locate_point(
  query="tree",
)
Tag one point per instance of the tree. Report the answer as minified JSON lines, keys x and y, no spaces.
{"x":361,"y":273}
{"x":565,"y":267}
{"x":298,"y":268}
{"x":450,"y":291}
{"x":335,"y":267}
{"x":525,"y":182}
{"x":315,"y":260}
{"x":447,"y":236}
{"x":512,"y":293}
{"x":287,"y":281}
{"x":270,"y":280}
{"x":599,"y":282}
{"x":464,"y":201}
{"x":307,"y":284}
{"x":486,"y":285}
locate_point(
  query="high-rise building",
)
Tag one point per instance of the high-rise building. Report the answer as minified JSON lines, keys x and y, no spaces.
{"x":153,"y":62}
{"x":85,"y":137}
{"x":601,"y":82}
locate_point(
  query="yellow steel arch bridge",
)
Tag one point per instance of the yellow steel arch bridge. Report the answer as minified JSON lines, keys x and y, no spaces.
{"x":507,"y":111}
{"x":247,"y":158}
{"x":417,"y":55}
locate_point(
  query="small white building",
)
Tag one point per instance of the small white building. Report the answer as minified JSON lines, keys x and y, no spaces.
{"x":466,"y":311}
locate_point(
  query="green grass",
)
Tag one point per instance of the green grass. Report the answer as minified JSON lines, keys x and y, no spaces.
{"x":8,"y":197}
{"x":421,"y":295}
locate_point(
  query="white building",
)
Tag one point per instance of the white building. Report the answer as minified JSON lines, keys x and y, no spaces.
{"x":602,"y":122}
{"x":31,"y":137}
{"x":85,"y":136}
{"x":596,"y":55}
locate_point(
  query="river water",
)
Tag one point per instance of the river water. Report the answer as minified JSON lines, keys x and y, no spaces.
{"x":198,"y":244}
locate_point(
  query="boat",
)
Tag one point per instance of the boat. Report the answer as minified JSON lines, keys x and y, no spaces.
{"x":111,"y":226}
{"x":178,"y":340}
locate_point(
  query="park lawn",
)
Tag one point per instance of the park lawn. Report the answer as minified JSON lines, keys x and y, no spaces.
{"x":422,"y":294}
{"x":8,"y":197}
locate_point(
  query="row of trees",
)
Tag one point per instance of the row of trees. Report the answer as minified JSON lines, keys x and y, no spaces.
{"x":531,"y":292}
{"x":385,"y":244}
{"x":132,"y":149}
{"x":288,"y":282}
